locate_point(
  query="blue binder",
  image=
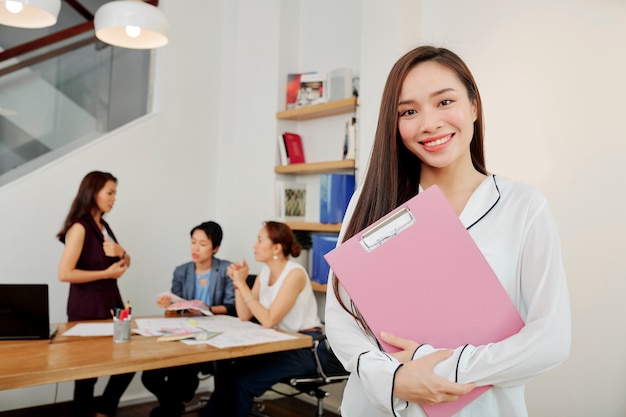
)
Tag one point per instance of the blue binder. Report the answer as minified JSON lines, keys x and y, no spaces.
{"x":322,"y":244}
{"x":335,"y":193}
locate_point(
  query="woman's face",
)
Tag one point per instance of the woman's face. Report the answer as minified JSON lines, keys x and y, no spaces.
{"x":436,"y":117}
{"x":202,"y":249}
{"x":105,"y":199}
{"x":264,"y":248}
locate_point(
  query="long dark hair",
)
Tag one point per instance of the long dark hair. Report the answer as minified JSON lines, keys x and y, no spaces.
{"x":85,"y":203}
{"x":280,"y":233}
{"x":393,"y":175}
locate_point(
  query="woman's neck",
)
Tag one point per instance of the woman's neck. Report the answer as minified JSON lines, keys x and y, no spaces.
{"x":203,"y":267}
{"x":97,"y":217}
{"x":457,"y":188}
{"x":276,"y":267}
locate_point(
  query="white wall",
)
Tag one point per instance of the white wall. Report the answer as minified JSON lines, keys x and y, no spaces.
{"x":551,"y":78}
{"x":548,"y":72}
{"x":164,"y":163}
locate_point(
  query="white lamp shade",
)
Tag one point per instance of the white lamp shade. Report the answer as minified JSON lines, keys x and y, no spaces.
{"x":112,"y":19}
{"x":34,"y":14}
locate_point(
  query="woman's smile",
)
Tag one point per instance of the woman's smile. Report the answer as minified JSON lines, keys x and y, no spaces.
{"x":434,"y":144}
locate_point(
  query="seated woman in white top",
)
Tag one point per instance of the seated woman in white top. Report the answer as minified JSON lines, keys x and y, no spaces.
{"x":281,"y":297}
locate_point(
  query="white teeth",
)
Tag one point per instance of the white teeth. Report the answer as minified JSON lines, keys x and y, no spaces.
{"x":437,"y":142}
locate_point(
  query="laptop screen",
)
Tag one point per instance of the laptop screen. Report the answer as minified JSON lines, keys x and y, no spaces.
{"x":24,"y":311}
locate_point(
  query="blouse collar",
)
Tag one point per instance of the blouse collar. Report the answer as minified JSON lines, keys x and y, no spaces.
{"x":482,"y":200}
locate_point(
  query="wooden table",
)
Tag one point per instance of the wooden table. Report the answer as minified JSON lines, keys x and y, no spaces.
{"x":66,"y":358}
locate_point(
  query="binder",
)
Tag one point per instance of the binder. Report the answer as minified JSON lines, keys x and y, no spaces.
{"x":322,"y":244}
{"x":335,"y":193}
{"x":418,"y":273}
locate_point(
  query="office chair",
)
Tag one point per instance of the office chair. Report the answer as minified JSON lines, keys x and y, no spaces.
{"x":328,"y":372}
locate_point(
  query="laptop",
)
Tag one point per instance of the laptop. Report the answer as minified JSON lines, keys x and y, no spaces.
{"x":24,"y":312}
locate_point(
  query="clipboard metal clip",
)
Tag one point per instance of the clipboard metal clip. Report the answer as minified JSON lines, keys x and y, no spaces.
{"x":387,"y":229}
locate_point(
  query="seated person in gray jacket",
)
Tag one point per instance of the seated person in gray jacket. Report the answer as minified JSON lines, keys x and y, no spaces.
{"x":204,"y":282}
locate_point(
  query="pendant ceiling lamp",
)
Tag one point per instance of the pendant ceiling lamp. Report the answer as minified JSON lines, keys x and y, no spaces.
{"x":31,"y":14}
{"x":131,"y":24}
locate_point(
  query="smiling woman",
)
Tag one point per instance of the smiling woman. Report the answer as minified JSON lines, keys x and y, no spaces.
{"x":430,"y":132}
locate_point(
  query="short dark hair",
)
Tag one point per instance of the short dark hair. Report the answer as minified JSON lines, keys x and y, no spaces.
{"x":212,"y":230}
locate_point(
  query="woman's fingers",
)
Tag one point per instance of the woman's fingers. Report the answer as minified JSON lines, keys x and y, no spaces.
{"x":399,"y":342}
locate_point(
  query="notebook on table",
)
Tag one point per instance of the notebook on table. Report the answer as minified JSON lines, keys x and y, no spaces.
{"x":24,"y":312}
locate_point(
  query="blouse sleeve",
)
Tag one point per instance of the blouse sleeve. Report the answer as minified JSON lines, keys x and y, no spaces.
{"x":358,"y":352}
{"x":544,"y":341}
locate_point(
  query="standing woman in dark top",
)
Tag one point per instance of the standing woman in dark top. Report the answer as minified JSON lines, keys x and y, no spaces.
{"x":92,"y":262}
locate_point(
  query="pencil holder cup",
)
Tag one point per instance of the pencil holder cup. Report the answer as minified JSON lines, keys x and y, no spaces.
{"x":121,"y":330}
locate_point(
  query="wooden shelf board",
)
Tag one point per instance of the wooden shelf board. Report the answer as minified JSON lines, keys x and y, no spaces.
{"x":330,"y":108}
{"x":315,"y":227}
{"x":315,"y":167}
{"x":318,"y":287}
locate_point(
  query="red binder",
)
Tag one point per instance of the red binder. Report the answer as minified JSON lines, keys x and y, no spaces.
{"x":295,"y":151}
{"x":417,"y":273}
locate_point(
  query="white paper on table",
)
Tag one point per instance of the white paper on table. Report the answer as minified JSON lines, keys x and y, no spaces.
{"x":246,"y":337}
{"x":163,"y":326}
{"x":235,"y":332}
{"x":90,"y":329}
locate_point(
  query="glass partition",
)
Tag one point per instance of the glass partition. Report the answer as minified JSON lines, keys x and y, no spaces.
{"x":58,"y":97}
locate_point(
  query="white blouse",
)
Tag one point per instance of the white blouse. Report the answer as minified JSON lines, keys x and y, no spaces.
{"x":512,"y":225}
{"x":303,"y":314}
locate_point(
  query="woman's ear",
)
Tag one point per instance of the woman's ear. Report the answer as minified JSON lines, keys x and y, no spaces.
{"x":474,"y":110}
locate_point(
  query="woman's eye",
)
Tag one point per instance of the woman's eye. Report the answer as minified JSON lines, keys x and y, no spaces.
{"x":409,"y":112}
{"x":445,"y":102}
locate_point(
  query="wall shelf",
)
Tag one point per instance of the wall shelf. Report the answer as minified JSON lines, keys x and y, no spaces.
{"x":318,"y":287}
{"x":316,"y":167}
{"x":315,"y":227}
{"x":330,"y":108}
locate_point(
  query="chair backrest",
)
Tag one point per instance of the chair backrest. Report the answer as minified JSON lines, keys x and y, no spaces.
{"x":332,"y":366}
{"x":250,"y":280}
{"x":329,"y":369}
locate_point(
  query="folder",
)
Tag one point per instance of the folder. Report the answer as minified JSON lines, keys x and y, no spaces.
{"x":322,"y":244}
{"x":418,"y":273}
{"x":335,"y":193}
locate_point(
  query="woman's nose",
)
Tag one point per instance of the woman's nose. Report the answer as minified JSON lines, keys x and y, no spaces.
{"x":429,"y":120}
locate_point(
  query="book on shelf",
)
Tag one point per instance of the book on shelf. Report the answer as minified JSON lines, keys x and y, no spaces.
{"x":290,"y":201}
{"x":305,"y":89}
{"x":349,"y":145}
{"x":335,"y":193}
{"x":295,"y":150}
{"x":340,"y":84}
{"x":322,"y":243}
{"x":283,"y":158}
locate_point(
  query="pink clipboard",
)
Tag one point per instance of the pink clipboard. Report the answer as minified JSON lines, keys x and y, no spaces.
{"x":417,"y":273}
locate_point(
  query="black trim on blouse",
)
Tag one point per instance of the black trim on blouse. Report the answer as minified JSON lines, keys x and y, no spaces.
{"x":493,"y":205}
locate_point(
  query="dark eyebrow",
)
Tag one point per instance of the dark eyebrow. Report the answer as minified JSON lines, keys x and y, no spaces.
{"x":434,"y":94}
